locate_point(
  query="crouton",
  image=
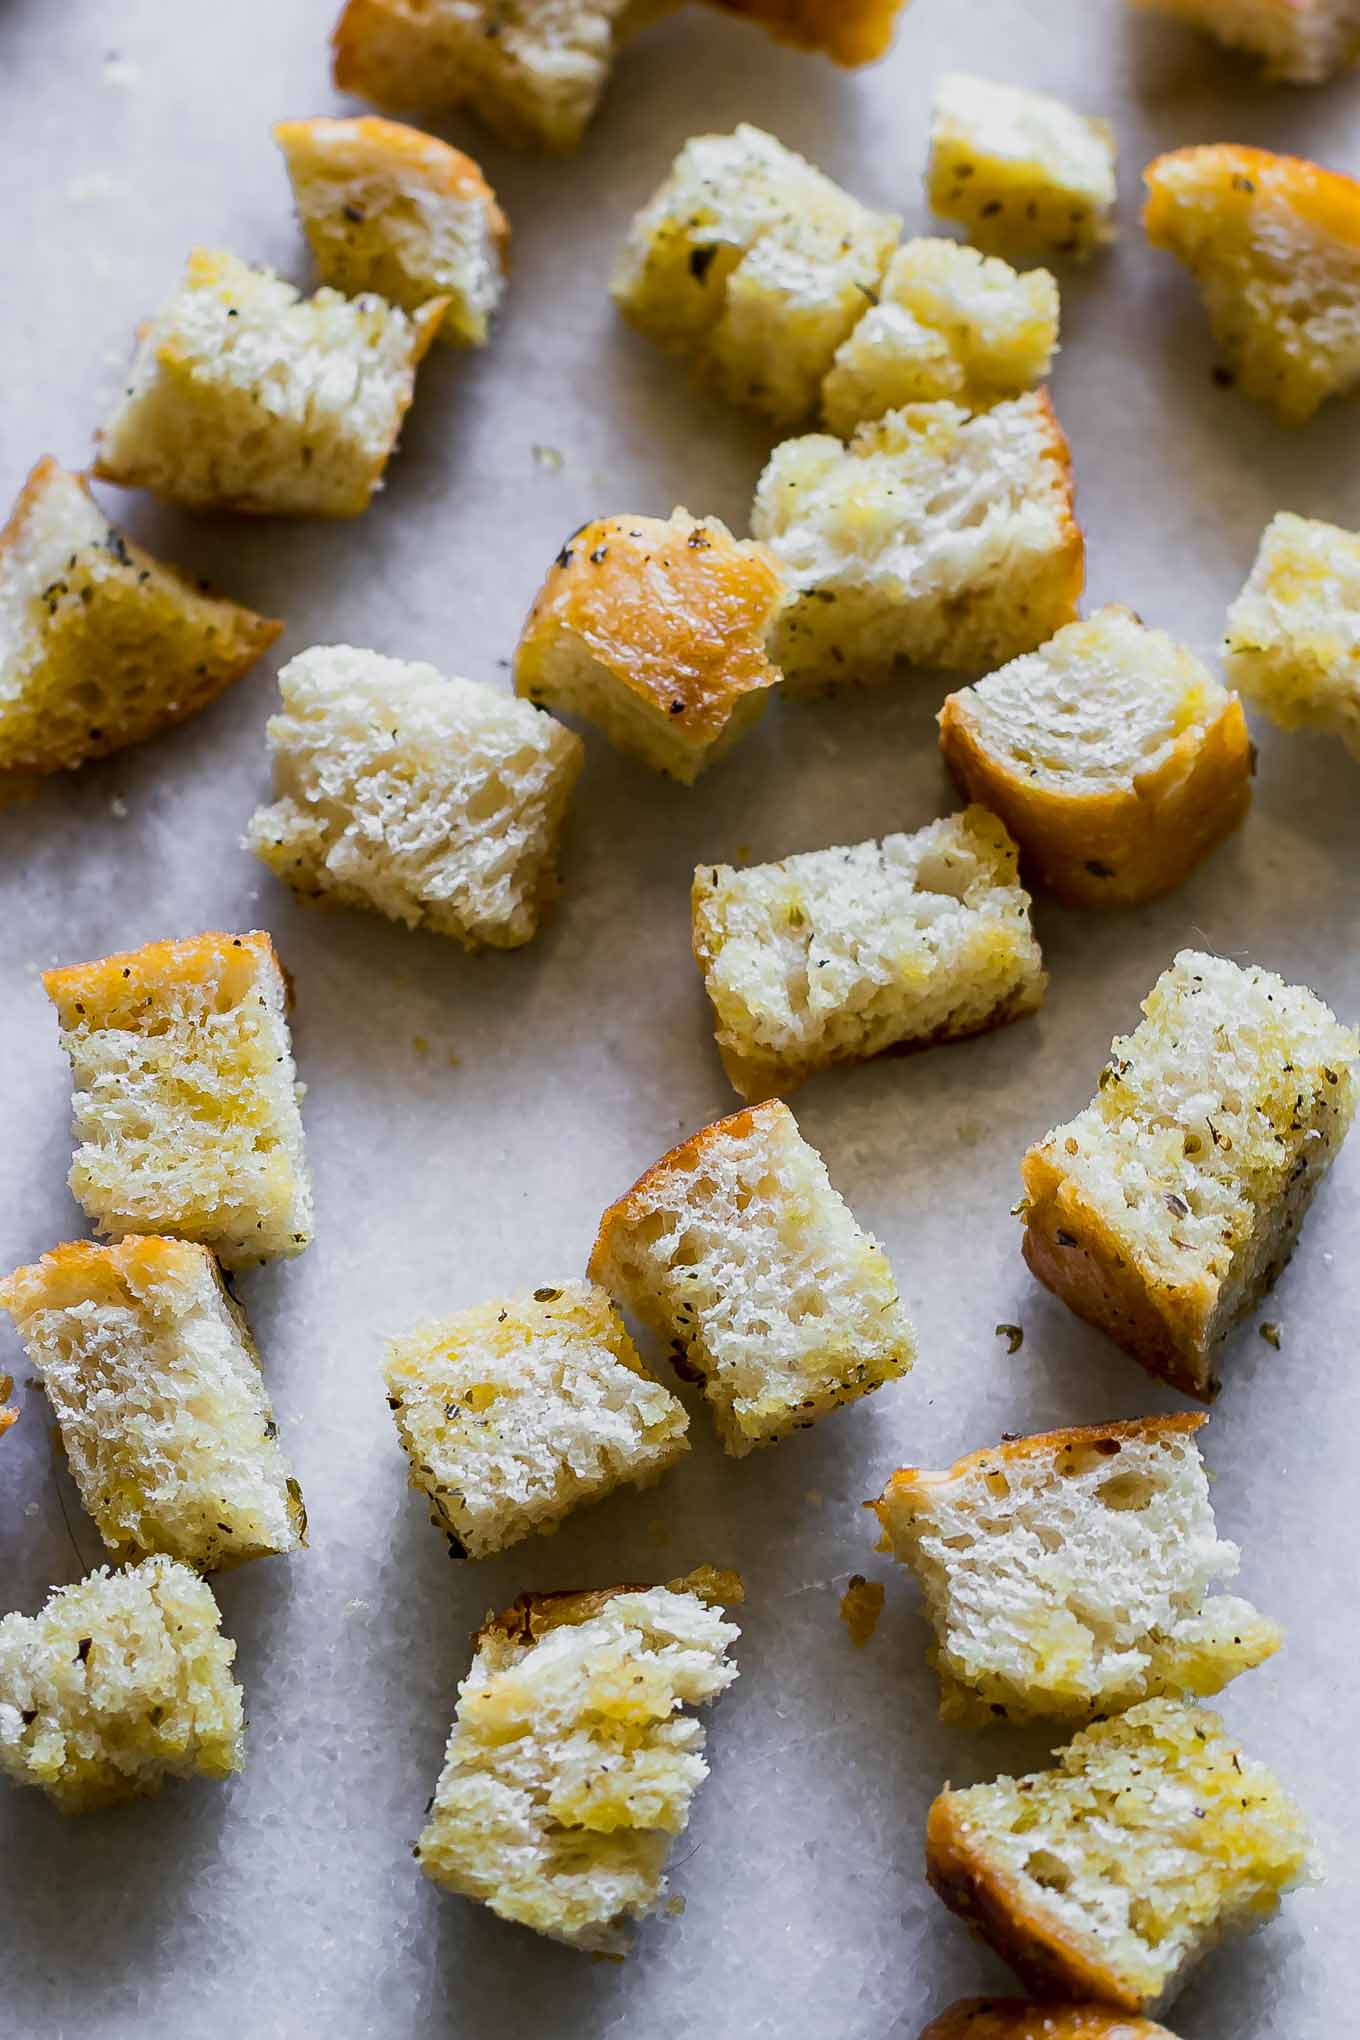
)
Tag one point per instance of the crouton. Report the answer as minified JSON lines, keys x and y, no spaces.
{"x":1293,"y":642}
{"x":1014,"y":2019}
{"x":1163,"y":1212}
{"x":850,"y":32}
{"x":1022,"y":173}
{"x":7,"y":1415}
{"x":1300,"y":42}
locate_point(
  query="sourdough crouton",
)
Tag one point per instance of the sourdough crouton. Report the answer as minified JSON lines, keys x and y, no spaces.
{"x":1014,"y":2019}
{"x":1109,"y":1876}
{"x":1301,"y":42}
{"x":243,"y":395}
{"x":122,"y":1681}
{"x":838,"y":955}
{"x":655,"y":629}
{"x":7,"y":1415}
{"x":186,"y":1095}
{"x":935,"y":537}
{"x":1022,"y":173}
{"x":850,"y":32}
{"x":1111,"y":754}
{"x":100,"y":644}
{"x":571,"y":1766}
{"x":1163,"y":1212}
{"x":155,"y":1384}
{"x":437,"y":801}
{"x":756,"y":265}
{"x":736,"y":1250}
{"x":1293,"y":643}
{"x":1071,"y":1574}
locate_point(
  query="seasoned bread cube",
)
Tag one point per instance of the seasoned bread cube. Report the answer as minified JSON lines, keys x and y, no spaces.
{"x":186,"y":1095}
{"x":514,"y":1412}
{"x":571,"y":1766}
{"x":1021,"y":172}
{"x":936,"y":537}
{"x":1109,"y":1876}
{"x":1071,"y":1574}
{"x":755,"y":264}
{"x":1293,"y":643}
{"x":7,"y":1415}
{"x":1111,"y":754}
{"x":1274,"y":244}
{"x":949,"y":323}
{"x":244,"y":395}
{"x":1163,"y":1212}
{"x":838,"y":955}
{"x":391,"y":210}
{"x":736,"y":1250}
{"x":1014,"y":2019}
{"x":437,"y":801}
{"x":155,"y":1384}
{"x":850,"y":32}
{"x":655,"y":629}
{"x":123,"y":1680}
{"x":100,"y":644}
{"x":1301,"y":42}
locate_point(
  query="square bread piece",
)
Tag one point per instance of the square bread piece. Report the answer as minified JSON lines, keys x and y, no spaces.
{"x":572,"y":1765}
{"x":155,"y":1383}
{"x":1016,"y":2019}
{"x":737,"y":1251}
{"x":1163,"y":1212}
{"x":1112,"y":755}
{"x":1273,"y":243}
{"x":838,"y":955}
{"x":513,"y":1413}
{"x":1301,"y":42}
{"x":949,"y":323}
{"x":122,"y":1681}
{"x":1022,"y":173}
{"x":850,"y":32}
{"x":756,"y":265}
{"x":1072,"y":1573}
{"x":100,"y":644}
{"x":1112,"y":1874}
{"x":244,"y":395}
{"x":934,"y":537}
{"x":1293,"y":643}
{"x":654,"y":628}
{"x":436,"y":801}
{"x":186,"y":1095}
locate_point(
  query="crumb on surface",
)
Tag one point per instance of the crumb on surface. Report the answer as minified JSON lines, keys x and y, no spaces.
{"x":861,"y":1606}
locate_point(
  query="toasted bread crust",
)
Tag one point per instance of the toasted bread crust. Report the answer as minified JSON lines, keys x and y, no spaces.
{"x":1327,"y":199}
{"x":1016,"y":2019}
{"x":7,"y":1415}
{"x":850,"y":32}
{"x":531,"y":1616}
{"x":111,"y":989}
{"x":390,"y":145}
{"x":915,"y":1482}
{"x":682,"y":1160}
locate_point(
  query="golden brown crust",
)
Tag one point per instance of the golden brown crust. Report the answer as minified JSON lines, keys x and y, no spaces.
{"x":112,"y":990}
{"x":402,"y":151}
{"x":1327,"y":199}
{"x":7,"y":1415}
{"x":79,"y":1269}
{"x":914,"y":1483}
{"x":850,"y":32}
{"x":531,"y":1616}
{"x":1017,"y":2019}
{"x":682,"y":1160}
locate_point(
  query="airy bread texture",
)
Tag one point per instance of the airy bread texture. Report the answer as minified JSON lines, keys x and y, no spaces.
{"x":155,"y":1383}
{"x":100,"y":644}
{"x":655,"y":628}
{"x":1164,"y":1211}
{"x":1110,"y":1876}
{"x":1301,"y":42}
{"x":571,"y":1766}
{"x":936,"y":537}
{"x":850,"y":32}
{"x":1014,"y":2019}
{"x":1274,"y":244}
{"x":123,"y":1680}
{"x":1071,"y":1573}
{"x":389,"y":209}
{"x":949,"y":323}
{"x":1293,"y":642}
{"x":515,"y":1412}
{"x":186,"y":1095}
{"x":754,"y":264}
{"x":1111,"y":754}
{"x":437,"y":801}
{"x":244,"y":395}
{"x":737,"y":1251}
{"x":838,"y":955}
{"x":1022,"y":173}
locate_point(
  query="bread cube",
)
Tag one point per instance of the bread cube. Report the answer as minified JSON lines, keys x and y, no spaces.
{"x":756,"y":265}
{"x":1273,"y":243}
{"x":123,"y":1680}
{"x":8,"y":1416}
{"x":244,"y":395}
{"x":155,"y":1384}
{"x":1293,"y":642}
{"x":1020,"y":172}
{"x":1300,"y":42}
{"x":949,"y":323}
{"x":1014,"y":2019}
{"x":1111,"y":754}
{"x":186,"y":1095}
{"x":438,"y":802}
{"x":572,"y":1766}
{"x":514,"y":1412}
{"x":838,"y":955}
{"x":936,"y":537}
{"x":736,"y":1250}
{"x":655,"y":629}
{"x":1109,"y":1876}
{"x":850,"y":32}
{"x":1164,"y":1211}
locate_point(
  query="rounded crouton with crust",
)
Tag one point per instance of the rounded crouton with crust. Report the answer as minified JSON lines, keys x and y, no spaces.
{"x":850,"y":32}
{"x":1300,"y":42}
{"x":1018,"y":2019}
